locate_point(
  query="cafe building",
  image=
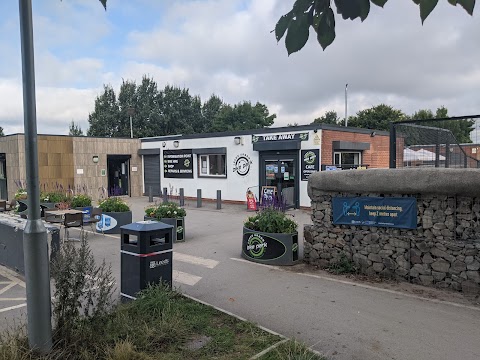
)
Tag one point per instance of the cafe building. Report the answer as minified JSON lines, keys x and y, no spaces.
{"x":263,"y":160}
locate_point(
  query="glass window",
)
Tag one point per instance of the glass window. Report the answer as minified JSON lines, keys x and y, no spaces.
{"x":347,"y":159}
{"x":212,"y":165}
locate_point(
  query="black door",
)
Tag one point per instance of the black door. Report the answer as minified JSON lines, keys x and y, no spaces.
{"x":3,"y":178}
{"x":151,"y":164}
{"x":118,"y":175}
{"x":280,"y":169}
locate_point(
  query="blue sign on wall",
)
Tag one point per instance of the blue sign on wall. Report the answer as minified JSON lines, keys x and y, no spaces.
{"x":375,"y":211}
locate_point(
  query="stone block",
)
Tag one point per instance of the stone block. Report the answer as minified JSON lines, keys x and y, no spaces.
{"x":427,"y":259}
{"x":314,"y":255}
{"x":469,"y":260}
{"x":416,"y":260}
{"x":378,"y":267}
{"x":473,"y":266}
{"x":375,"y":258}
{"x":423,"y":247}
{"x":401,"y":272}
{"x":323,"y":264}
{"x":385,"y":253}
{"x":426,"y":280}
{"x":441,"y":265}
{"x":397,"y":243}
{"x":361,"y":260}
{"x":438,"y":276}
{"x":374,"y":248}
{"x":474,"y":276}
{"x":442,"y":254}
{"x":439,"y":226}
{"x":318,"y":246}
{"x":389,"y":263}
{"x":458,"y":267}
{"x":403,"y":263}
{"x":422,"y":269}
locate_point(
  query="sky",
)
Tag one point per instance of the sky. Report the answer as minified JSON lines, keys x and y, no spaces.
{"x":226,"y":47}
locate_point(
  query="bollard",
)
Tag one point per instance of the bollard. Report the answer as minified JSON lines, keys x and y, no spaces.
{"x":199,"y":198}
{"x":182,"y":197}
{"x":165,"y":195}
{"x":219,"y":199}
{"x":150,"y":194}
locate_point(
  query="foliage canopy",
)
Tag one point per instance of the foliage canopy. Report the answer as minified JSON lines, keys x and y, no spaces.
{"x":319,"y":15}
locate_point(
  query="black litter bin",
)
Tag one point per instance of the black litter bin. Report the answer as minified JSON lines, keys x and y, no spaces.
{"x":146,"y":256}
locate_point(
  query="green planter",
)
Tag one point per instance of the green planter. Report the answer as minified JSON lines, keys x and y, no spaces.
{"x":110,"y":222}
{"x":270,"y":248}
{"x":178,"y":226}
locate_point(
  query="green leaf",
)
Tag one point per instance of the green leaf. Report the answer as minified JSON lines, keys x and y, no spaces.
{"x":326,"y":28}
{"x":453,"y":2}
{"x":379,"y":2}
{"x":282,"y":25}
{"x":349,"y":9}
{"x":468,"y":5}
{"x":364,"y":9}
{"x":297,"y":34}
{"x":104,"y":3}
{"x":426,"y":7}
{"x":321,"y":6}
{"x":301,"y":6}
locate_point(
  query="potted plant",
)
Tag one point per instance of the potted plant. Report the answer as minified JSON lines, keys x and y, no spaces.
{"x":270,"y":237}
{"x":169,"y":213}
{"x":21,"y":198}
{"x":82,"y":202}
{"x":115,"y":213}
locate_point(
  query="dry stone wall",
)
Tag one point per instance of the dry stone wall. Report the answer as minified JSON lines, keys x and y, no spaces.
{"x":443,"y":251}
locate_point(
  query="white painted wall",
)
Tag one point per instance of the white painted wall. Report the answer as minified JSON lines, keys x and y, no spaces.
{"x":234,"y":186}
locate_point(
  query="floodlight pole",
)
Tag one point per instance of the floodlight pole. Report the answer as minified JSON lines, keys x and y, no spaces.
{"x":346,"y":92}
{"x":35,"y":245}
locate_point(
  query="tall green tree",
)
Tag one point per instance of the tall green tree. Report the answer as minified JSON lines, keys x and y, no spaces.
{"x":1,"y":131}
{"x":103,"y":121}
{"x":330,"y":117}
{"x":243,"y":116}
{"x":378,"y":117}
{"x":319,"y":15}
{"x":75,"y":129}
{"x":170,"y":111}
{"x":460,"y":129}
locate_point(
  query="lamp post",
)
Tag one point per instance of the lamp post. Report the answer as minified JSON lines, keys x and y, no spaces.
{"x":35,"y":244}
{"x":130,"y":112}
{"x":346,"y":117}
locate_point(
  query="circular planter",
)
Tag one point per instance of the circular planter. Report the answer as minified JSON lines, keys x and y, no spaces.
{"x":110,"y":222}
{"x":178,"y":226}
{"x":270,"y":248}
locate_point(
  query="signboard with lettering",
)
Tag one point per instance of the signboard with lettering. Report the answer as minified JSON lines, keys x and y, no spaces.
{"x":310,"y":162}
{"x":280,"y":137}
{"x":178,"y":164}
{"x":375,"y":211}
{"x":269,"y":193}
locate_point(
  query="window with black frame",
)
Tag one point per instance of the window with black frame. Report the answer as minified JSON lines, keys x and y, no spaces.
{"x":212,"y":165}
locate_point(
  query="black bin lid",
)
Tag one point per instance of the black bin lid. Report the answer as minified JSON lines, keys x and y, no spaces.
{"x":144,"y":226}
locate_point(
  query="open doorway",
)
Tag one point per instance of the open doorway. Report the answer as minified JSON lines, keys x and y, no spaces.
{"x":118,"y":175}
{"x":3,"y":178}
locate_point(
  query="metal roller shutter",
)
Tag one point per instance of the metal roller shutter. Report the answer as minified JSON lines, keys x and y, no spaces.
{"x":152,"y":173}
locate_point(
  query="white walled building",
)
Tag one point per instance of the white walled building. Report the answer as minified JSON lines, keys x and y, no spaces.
{"x":235,"y":162}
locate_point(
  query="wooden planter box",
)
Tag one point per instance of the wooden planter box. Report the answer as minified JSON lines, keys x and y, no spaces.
{"x":178,"y":226}
{"x":110,"y":222}
{"x":270,"y":248}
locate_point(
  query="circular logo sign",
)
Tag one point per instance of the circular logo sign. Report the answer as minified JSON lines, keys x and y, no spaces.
{"x":241,"y":164}
{"x":186,"y":163}
{"x":309,"y":157}
{"x":256,"y":245}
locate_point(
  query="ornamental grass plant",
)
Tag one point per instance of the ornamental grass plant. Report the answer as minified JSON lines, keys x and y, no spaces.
{"x":113,"y":204}
{"x":165,"y":210}
{"x":270,"y":220}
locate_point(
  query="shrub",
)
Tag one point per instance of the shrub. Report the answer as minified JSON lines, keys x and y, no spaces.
{"x":54,"y":197}
{"x":271,"y":221}
{"x":114,"y":204}
{"x":166,"y":210}
{"x":21,"y":194}
{"x":83,"y":290}
{"x":81,"y":201}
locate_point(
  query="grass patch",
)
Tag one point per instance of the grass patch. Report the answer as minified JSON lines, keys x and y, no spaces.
{"x":344,"y":265}
{"x":158,"y":325}
{"x":291,"y":350}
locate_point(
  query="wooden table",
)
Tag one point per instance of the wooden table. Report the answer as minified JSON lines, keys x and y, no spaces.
{"x":57,"y":216}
